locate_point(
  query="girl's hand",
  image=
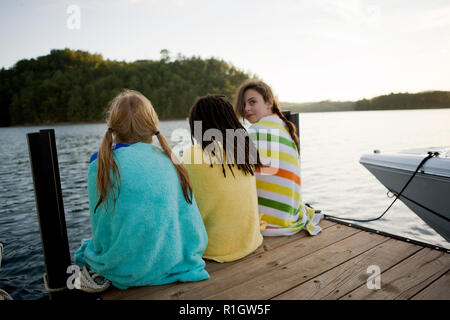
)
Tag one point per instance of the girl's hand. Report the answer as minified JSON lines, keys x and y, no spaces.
{"x":262,"y":223}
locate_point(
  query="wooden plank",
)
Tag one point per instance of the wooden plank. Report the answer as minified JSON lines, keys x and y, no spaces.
{"x":348,"y":276}
{"x":246,"y":269}
{"x":287,"y":275}
{"x":270,"y":243}
{"x":253,"y":266}
{"x":438,"y":290}
{"x":406,"y":278}
{"x":133,"y":293}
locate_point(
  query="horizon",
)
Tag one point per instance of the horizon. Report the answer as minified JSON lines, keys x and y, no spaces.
{"x":307,"y":52}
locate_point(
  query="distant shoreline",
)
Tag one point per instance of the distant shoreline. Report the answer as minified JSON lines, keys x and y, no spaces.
{"x":321,"y":110}
{"x":283,"y":108}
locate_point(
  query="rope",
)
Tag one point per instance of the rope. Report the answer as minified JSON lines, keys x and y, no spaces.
{"x":50,"y":290}
{"x":430,"y":155}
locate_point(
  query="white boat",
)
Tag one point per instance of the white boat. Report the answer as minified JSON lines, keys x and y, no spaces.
{"x":428,"y":193}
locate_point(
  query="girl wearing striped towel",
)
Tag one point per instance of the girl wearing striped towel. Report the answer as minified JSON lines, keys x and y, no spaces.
{"x":278,"y":182}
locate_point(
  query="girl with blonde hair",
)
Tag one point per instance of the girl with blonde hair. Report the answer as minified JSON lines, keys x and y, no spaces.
{"x":146,"y":227}
{"x":278,"y":182}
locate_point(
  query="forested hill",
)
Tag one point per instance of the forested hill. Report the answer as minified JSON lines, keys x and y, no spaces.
{"x":76,"y":86}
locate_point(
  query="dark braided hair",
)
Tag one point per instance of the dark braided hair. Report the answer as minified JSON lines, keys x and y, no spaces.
{"x":215,"y":112}
{"x":268,"y":96}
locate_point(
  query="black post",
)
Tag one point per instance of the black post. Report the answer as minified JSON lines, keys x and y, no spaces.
{"x":293,"y":117}
{"x":50,"y":210}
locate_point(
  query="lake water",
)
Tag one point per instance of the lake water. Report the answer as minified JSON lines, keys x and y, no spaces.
{"x":333,"y":180}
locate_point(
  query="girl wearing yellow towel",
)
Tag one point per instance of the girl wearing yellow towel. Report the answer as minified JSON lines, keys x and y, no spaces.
{"x":221,"y":168}
{"x":278,"y":181}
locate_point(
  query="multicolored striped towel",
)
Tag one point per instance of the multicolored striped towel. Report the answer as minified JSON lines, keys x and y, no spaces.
{"x":278,"y":182}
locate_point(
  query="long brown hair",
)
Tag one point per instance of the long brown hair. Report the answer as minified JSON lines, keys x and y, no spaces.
{"x":263,"y":89}
{"x":215,"y":112}
{"x":131,"y":118}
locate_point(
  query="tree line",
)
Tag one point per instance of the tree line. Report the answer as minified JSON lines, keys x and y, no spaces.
{"x":76,"y":86}
{"x":392,"y":101}
{"x":421,"y":100}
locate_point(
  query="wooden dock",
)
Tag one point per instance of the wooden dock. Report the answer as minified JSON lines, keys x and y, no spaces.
{"x":330,"y":266}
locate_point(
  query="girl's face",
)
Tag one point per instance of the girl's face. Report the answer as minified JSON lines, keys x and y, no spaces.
{"x":255,"y":107}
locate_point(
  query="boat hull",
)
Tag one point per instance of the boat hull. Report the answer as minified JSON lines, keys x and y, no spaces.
{"x":427,"y":195}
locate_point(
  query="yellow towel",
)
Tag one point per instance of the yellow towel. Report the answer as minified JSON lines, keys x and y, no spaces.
{"x":228,"y":205}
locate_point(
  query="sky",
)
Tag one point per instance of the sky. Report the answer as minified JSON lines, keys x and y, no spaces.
{"x":305,"y":50}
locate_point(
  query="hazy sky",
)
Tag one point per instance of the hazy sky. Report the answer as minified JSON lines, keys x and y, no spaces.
{"x":306,"y":50}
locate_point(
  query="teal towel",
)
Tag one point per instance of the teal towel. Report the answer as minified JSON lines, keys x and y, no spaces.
{"x":152,"y":236}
